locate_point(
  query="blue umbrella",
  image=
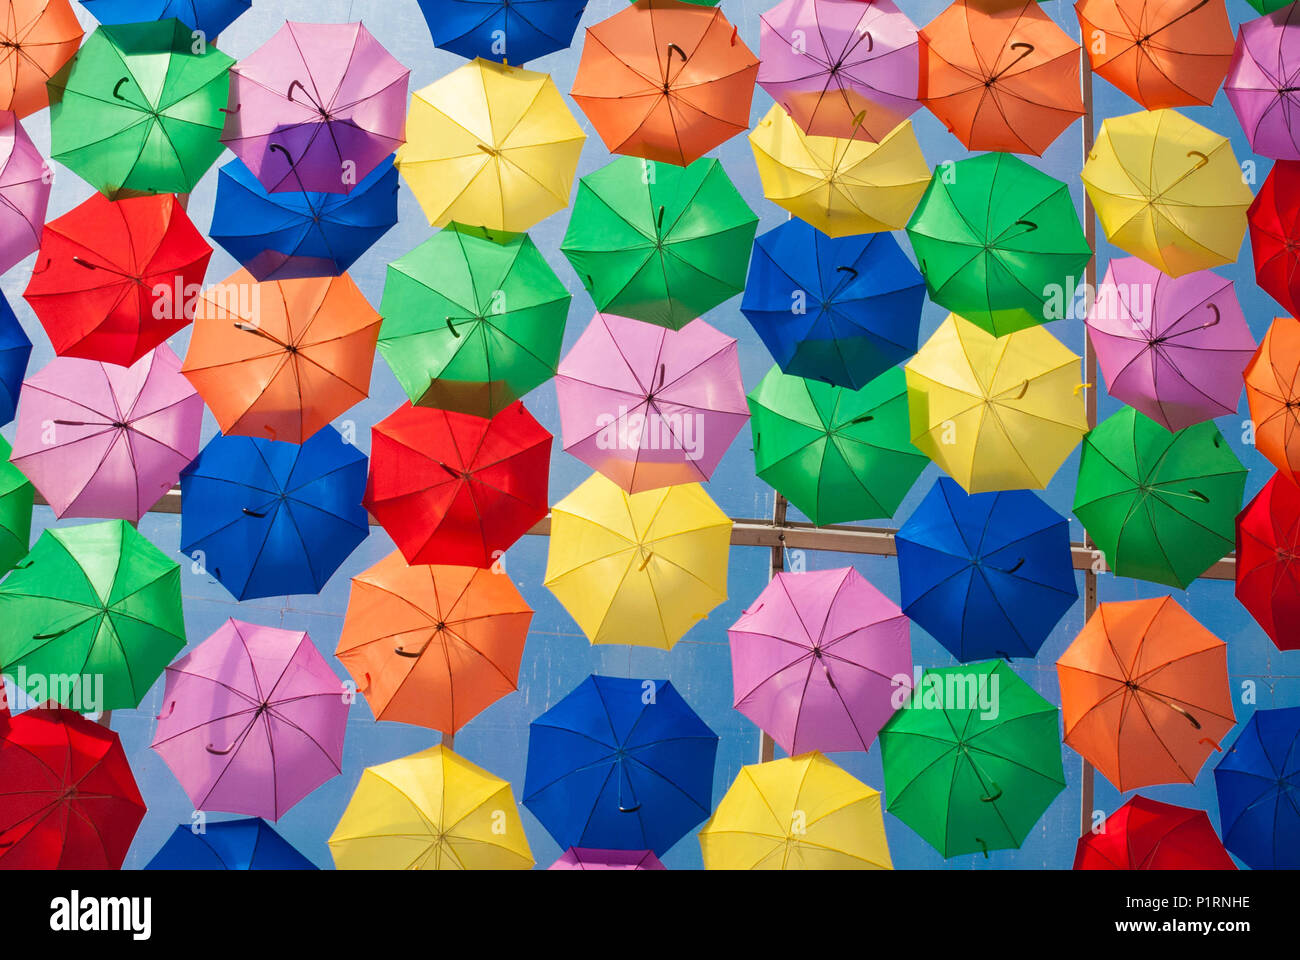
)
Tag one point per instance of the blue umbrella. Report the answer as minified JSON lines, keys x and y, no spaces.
{"x":620,"y":764}
{"x":1258,"y":781}
{"x":269,"y":519}
{"x":838,"y":310}
{"x":229,"y":845}
{"x":15,"y":351}
{"x":283,"y":236}
{"x":987,"y":575}
{"x":512,"y":31}
{"x":210,"y":16}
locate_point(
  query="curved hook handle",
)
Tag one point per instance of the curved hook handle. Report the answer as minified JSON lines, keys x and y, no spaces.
{"x":254,"y":514}
{"x":410,"y":654}
{"x":1027,"y":223}
{"x":1019,"y":563}
{"x":1199,"y":163}
{"x":298,"y":83}
{"x":673,"y":48}
{"x":118,"y":87}
{"x":847,"y":270}
{"x":994,"y":794}
{"x":865,"y":418}
{"x":278,"y":148}
{"x":645,"y":561}
{"x":219,"y":753}
{"x":84,"y":263}
{"x":1217,"y":316}
{"x":171,"y":708}
{"x":452,"y":327}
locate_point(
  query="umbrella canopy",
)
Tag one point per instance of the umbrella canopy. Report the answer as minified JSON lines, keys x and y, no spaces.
{"x":1172,"y":348}
{"x":473,"y":320}
{"x":68,"y":800}
{"x":15,"y":351}
{"x":1268,"y":6}
{"x":252,"y":720}
{"x":209,"y":17}
{"x":271,"y":519}
{"x":490,"y":145}
{"x":1149,"y":835}
{"x":1000,"y":75}
{"x":1159,"y":505}
{"x":615,"y":558}
{"x":1268,"y":547}
{"x":228,"y":845}
{"x":1168,"y":190}
{"x":988,"y":575}
{"x":1262,"y":83}
{"x":24,"y":192}
{"x":38,"y":37}
{"x":838,"y":455}
{"x":620,"y":763}
{"x":797,"y":813}
{"x":580,"y":858}
{"x":1275,"y":235}
{"x":995,"y":413}
{"x":505,"y":30}
{"x":90,"y":602}
{"x":1257,"y":780}
{"x":113,"y":280}
{"x":839,"y":185}
{"x":995,"y":238}
{"x":99,"y":440}
{"x":433,"y":645}
{"x":973,"y":759}
{"x":842,"y":311}
{"x":432,"y":810}
{"x":659,"y":243}
{"x":1273,"y":392}
{"x":280,"y":360}
{"x":650,"y":407}
{"x":16,"y":498}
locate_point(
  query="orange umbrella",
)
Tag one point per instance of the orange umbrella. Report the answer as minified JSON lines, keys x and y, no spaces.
{"x":1273,"y":392}
{"x":433,"y":645}
{"x":37,"y":37}
{"x":1144,"y":693}
{"x":280,"y":360}
{"x":1000,"y":74}
{"x":665,"y":80}
{"x":1162,"y":53}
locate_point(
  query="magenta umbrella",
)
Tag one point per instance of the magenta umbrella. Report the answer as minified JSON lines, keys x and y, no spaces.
{"x":647,"y":406}
{"x":840,"y":68}
{"x":99,"y":440}
{"x":1263,"y":83}
{"x":24,"y":192}
{"x":252,"y":720}
{"x":316,"y":108}
{"x":820,"y":660}
{"x":580,"y":858}
{"x":1172,"y":348}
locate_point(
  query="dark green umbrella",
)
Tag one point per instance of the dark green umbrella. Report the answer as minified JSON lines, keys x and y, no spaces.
{"x":16,"y":496}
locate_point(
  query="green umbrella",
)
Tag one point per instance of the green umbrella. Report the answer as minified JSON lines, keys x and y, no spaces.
{"x":998,"y":241}
{"x":836,"y":454}
{"x":660,"y":243}
{"x":16,"y":496}
{"x":138,"y":110}
{"x":973,"y":759}
{"x":95,"y":600}
{"x":1161,"y":506}
{"x":473,"y":320}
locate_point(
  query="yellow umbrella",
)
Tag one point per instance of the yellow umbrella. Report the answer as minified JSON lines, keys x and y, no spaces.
{"x":491,"y":146}
{"x":432,"y":810}
{"x":839,"y":185}
{"x":995,"y":413}
{"x":639,"y":569}
{"x":1168,"y":190}
{"x":800,"y":813}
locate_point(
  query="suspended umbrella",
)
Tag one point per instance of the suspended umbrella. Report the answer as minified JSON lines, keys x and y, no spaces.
{"x":228,"y":845}
{"x":473,"y":320}
{"x":1268,"y":548}
{"x":1273,"y":392}
{"x":37,"y":37}
{"x":797,"y":813}
{"x":16,"y":498}
{"x":114,"y":279}
{"x":271,"y":519}
{"x":995,"y":413}
{"x":842,"y":311}
{"x":579,"y":858}
{"x":639,"y":569}
{"x":1159,"y":505}
{"x":988,"y":575}
{"x":1263,"y":83}
{"x":994,"y":238}
{"x":99,"y":440}
{"x":1145,"y":693}
{"x":505,"y":30}
{"x":210,"y":17}
{"x":1149,"y":835}
{"x":1257,"y":781}
{"x":24,"y":192}
{"x":1268,"y":6}
{"x":838,"y":455}
{"x":15,"y":351}
{"x":622,"y":764}
{"x":1275,"y":235}
{"x":659,"y":243}
{"x":92,"y":602}
{"x":650,"y":407}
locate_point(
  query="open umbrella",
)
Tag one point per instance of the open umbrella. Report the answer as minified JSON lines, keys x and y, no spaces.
{"x":507,"y":30}
{"x":1268,"y":6}
{"x":24,"y":192}
{"x":584,"y":858}
{"x":37,"y":38}
{"x":15,"y":351}
{"x":1263,"y":83}
{"x":16,"y":498}
{"x":1268,"y":561}
{"x":1275,"y":235}
{"x":1145,"y":693}
{"x":1273,"y":392}
{"x":1257,"y":781}
{"x":228,"y":845}
{"x":1149,"y":835}
{"x":209,"y":17}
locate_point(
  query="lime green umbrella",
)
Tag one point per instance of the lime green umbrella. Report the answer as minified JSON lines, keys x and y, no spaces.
{"x":1160,"y":506}
{"x":473,"y":320}
{"x":16,"y":496}
{"x":973,"y":758}
{"x":836,"y":454}
{"x":660,"y":243}
{"x":138,"y":110}
{"x":90,"y":601}
{"x":999,"y":242}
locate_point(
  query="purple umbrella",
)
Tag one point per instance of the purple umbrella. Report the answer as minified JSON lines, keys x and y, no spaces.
{"x":316,"y":108}
{"x":252,"y":720}
{"x":99,"y":440}
{"x":1172,"y":348}
{"x":1263,"y":83}
{"x":820,"y":661}
{"x":579,"y":858}
{"x":24,"y":192}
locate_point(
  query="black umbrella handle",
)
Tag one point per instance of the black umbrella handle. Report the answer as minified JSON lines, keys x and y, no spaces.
{"x":118,"y":87}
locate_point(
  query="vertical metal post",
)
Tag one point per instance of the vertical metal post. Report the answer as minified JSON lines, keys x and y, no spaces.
{"x":766,"y":745}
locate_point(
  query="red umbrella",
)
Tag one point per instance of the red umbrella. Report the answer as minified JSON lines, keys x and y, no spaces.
{"x":452,"y":488}
{"x":1275,"y":234}
{"x":1150,"y":835}
{"x":1268,"y":561}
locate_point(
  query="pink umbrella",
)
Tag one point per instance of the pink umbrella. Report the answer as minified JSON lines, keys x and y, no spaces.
{"x":840,"y":68}
{"x":1172,"y":348}
{"x":99,"y":440}
{"x":252,"y":720}
{"x":647,"y":406}
{"x":820,"y":661}
{"x":316,"y":108}
{"x":579,"y":858}
{"x":1263,"y":83}
{"x":24,"y":192}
